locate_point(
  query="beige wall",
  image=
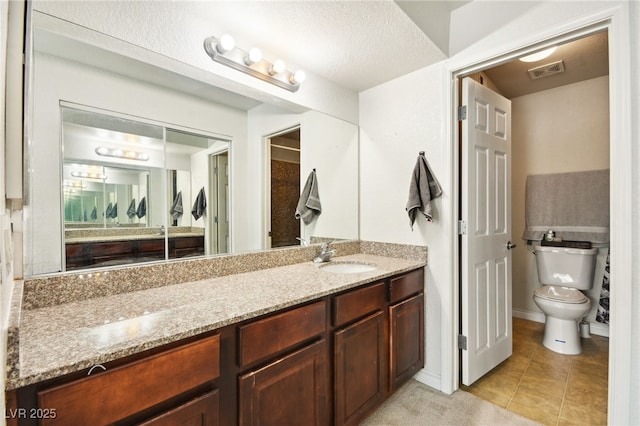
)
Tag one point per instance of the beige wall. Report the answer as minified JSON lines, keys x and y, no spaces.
{"x":559,"y":130}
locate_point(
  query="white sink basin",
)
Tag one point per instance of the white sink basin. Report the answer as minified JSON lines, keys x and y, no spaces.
{"x":347,"y":267}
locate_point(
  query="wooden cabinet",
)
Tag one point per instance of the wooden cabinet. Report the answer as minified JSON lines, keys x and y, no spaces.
{"x":290,"y":390}
{"x":201,"y":411}
{"x":97,"y":254}
{"x":406,"y":319}
{"x":123,"y":392}
{"x":328,"y":361}
{"x":360,"y":353}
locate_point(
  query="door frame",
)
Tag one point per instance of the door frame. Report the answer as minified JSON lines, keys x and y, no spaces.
{"x":266,"y":149}
{"x":616,"y":21}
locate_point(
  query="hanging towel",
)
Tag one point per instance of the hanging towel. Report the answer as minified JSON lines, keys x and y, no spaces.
{"x":575,"y":205}
{"x":423,"y":189}
{"x":142,"y":208}
{"x":603,"y":306}
{"x":114,"y":211}
{"x":94,"y":213}
{"x":176,"y":207}
{"x":309,"y":207}
{"x":200,"y":205}
{"x":131,"y":211}
{"x":107,"y":212}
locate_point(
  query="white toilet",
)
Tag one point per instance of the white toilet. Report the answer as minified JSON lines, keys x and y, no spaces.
{"x":563,"y":272}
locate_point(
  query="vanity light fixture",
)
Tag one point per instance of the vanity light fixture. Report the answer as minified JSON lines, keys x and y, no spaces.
{"x":223,"y":51}
{"x":122,"y":153}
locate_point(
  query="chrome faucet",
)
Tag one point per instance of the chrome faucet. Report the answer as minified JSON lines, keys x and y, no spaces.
{"x":325,"y":254}
{"x":303,"y":242}
{"x":162,"y":230}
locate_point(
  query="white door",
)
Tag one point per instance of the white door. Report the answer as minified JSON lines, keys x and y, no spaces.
{"x":486,"y":242}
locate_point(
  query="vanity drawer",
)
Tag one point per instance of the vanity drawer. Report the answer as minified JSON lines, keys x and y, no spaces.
{"x":150,"y":246}
{"x":116,"y":394}
{"x":270,"y":335}
{"x":406,"y":285}
{"x":358,"y":303}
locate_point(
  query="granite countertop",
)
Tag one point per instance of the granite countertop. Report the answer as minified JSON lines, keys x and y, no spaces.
{"x":65,"y":338}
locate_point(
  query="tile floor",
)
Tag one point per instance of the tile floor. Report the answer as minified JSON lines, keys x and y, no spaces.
{"x":548,"y":387}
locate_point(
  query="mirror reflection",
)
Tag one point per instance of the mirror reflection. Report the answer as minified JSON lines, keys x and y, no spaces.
{"x":196,"y":156}
{"x":116,"y":198}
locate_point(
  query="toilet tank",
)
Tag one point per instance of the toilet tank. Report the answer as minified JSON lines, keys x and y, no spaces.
{"x":564,"y":266}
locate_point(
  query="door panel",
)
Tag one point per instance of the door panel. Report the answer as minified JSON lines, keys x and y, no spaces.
{"x":486,"y":201}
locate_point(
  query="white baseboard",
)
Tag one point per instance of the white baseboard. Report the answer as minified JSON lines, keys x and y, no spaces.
{"x":596,"y":328}
{"x":429,"y":379}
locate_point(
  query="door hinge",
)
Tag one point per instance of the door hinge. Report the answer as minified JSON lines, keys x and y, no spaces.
{"x":462,"y":113}
{"x":462,"y":227}
{"x":462,"y":342}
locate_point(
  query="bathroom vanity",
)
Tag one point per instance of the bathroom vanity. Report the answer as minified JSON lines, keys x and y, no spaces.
{"x":287,"y":345}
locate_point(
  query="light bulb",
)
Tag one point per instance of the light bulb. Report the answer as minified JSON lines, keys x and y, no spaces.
{"x":255,"y":55}
{"x":225,"y":44}
{"x":277,"y":67}
{"x":298,"y":77}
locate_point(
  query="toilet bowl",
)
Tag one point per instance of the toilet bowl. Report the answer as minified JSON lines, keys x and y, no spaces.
{"x":563,"y":309}
{"x":563,"y":272}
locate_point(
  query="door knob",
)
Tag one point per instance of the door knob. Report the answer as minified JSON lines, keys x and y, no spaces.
{"x":510,"y":245}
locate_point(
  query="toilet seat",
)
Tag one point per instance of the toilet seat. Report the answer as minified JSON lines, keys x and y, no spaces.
{"x":561,"y":294}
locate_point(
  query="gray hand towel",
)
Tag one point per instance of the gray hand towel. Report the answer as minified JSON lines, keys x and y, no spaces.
{"x":94,"y":213}
{"x":176,"y":207}
{"x":200,"y":205}
{"x":131,"y":211}
{"x":309,"y":207}
{"x":107,"y":212}
{"x":423,"y":189}
{"x":114,"y":211}
{"x":142,"y":208}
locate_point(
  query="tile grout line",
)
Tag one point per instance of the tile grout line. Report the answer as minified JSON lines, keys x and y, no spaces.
{"x":521,"y":378}
{"x":564,"y":391}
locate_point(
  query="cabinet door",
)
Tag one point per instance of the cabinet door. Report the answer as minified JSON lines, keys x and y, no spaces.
{"x":202,"y":411}
{"x":406,"y":339}
{"x":291,"y":390}
{"x":360,"y":369}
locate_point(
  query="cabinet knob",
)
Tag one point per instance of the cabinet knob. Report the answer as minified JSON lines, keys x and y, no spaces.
{"x":96,"y":366}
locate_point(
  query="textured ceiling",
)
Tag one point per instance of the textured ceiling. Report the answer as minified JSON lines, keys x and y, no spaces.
{"x":356,"y":44}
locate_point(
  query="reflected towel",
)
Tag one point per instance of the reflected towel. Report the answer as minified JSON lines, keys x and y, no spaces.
{"x":94,"y":213}
{"x":131,"y":211}
{"x":107,"y":212}
{"x":114,"y":211}
{"x":309,"y":207}
{"x":176,"y":207}
{"x":142,"y":208}
{"x":423,"y":189}
{"x":200,"y":205}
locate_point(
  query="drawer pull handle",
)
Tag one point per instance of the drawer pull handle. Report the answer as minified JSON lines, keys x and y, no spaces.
{"x":96,"y":366}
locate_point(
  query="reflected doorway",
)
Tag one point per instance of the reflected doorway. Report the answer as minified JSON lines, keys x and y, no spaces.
{"x":219,"y":185}
{"x":284,"y":192}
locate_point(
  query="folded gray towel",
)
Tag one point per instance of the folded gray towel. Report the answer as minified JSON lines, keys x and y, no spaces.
{"x":200,"y":205}
{"x":309,"y":207}
{"x":131,"y":211}
{"x":423,"y":189}
{"x":94,"y":213}
{"x":574,"y":204}
{"x":176,"y":207}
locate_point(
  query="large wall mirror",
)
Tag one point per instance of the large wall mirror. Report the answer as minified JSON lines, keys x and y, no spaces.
{"x":125,"y":150}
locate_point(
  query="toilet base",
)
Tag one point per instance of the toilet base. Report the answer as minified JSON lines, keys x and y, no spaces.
{"x":562,"y":336}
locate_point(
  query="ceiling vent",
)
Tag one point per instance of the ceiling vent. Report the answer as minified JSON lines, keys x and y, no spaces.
{"x":546,"y":70}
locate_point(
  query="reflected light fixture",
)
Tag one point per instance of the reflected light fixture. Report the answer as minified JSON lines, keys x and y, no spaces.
{"x":538,"y":56}
{"x":122,"y":153}
{"x":88,"y":175}
{"x":224,"y":51}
